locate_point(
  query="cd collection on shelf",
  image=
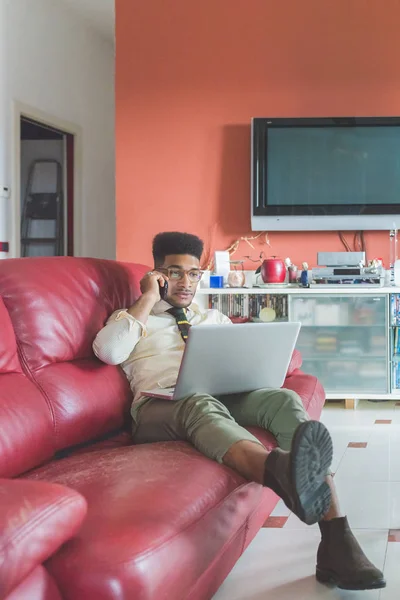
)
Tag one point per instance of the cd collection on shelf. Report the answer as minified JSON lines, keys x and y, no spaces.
{"x":396,"y":372}
{"x":248,"y":306}
{"x":395,"y":309}
{"x":395,"y":322}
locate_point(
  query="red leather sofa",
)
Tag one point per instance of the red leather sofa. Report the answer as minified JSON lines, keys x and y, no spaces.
{"x":84,"y":513}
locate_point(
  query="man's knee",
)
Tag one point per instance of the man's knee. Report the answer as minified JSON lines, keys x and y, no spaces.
{"x":289,"y":418}
{"x":200,"y":404}
{"x":200,"y":407}
{"x":197,"y":401}
{"x":293,"y":411}
{"x":292,"y":399}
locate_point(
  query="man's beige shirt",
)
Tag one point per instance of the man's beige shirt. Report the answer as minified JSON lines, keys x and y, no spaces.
{"x":150,"y":354}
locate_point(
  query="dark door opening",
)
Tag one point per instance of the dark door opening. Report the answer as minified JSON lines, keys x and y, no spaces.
{"x":47,"y":190}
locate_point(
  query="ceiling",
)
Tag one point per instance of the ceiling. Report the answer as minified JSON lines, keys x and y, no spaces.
{"x":99,"y":13}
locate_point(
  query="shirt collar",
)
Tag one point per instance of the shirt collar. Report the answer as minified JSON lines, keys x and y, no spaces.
{"x":162,"y":306}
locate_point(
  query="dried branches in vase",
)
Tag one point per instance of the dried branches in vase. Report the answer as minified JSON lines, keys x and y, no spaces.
{"x":209,"y":259}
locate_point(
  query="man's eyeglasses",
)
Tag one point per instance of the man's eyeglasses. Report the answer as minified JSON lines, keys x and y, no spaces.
{"x":176,"y":274}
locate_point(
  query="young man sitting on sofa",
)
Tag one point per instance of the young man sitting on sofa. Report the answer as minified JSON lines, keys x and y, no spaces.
{"x":148,"y":339}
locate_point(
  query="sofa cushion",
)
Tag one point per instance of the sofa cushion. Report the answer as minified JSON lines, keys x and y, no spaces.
{"x":26,"y":426}
{"x":158,"y":516}
{"x":88,"y":399}
{"x":57,"y":306}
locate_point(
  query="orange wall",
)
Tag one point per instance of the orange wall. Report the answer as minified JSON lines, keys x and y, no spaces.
{"x":189,"y":77}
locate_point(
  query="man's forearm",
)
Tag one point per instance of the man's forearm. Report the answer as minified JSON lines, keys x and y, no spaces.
{"x":115,"y":342}
{"x":143,"y":307}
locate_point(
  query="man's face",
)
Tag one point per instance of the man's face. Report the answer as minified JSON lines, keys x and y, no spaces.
{"x":181,"y":290}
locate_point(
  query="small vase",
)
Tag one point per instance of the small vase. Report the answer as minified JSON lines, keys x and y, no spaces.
{"x":236,"y":279}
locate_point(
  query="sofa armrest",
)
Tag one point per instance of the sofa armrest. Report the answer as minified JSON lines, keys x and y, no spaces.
{"x":295,"y":363}
{"x":35,"y":519}
{"x":310,"y":390}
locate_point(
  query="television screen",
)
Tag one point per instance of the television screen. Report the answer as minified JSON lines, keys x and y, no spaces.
{"x":327,"y":173}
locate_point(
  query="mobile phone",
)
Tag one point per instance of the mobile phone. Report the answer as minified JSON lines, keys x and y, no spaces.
{"x":163,"y":290}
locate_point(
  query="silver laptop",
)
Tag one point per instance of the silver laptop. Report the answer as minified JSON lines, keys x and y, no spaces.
{"x":230,"y":359}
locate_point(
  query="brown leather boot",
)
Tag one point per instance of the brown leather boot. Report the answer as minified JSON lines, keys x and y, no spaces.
{"x":341,"y":561}
{"x":298,"y":476}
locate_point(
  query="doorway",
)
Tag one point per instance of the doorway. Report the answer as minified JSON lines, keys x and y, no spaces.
{"x":46,"y":190}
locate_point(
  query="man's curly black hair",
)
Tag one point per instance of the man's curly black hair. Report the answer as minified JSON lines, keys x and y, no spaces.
{"x":175,"y":242}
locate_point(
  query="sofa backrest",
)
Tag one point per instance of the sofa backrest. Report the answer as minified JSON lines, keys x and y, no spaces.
{"x":55,"y":307}
{"x":26,"y":428}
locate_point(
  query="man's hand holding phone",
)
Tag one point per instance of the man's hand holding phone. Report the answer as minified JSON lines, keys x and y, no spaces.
{"x":154,"y":284}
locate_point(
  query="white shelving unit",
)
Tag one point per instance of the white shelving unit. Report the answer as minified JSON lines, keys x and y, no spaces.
{"x":347,"y":337}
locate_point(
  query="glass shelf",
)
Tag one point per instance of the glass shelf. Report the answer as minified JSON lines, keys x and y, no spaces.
{"x":347,"y":339}
{"x":335,"y":357}
{"x":344,"y":341}
{"x":347,"y":326}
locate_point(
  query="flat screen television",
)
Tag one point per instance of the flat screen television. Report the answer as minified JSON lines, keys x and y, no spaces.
{"x":325,"y":174}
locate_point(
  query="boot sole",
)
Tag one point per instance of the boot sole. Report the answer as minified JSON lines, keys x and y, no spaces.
{"x":311,"y":457}
{"x":327,"y":577}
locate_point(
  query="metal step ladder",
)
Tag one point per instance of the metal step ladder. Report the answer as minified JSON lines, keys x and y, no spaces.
{"x":42,"y":223}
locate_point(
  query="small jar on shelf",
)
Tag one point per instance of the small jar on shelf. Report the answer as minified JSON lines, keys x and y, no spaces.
{"x":236,"y":278}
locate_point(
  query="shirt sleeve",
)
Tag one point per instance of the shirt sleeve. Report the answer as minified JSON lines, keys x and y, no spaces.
{"x":223,"y":319}
{"x":115,"y":342}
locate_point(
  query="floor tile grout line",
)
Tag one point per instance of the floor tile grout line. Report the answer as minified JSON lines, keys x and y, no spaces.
{"x":384,"y":562}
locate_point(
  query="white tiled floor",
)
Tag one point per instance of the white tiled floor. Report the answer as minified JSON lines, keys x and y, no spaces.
{"x":280,"y":563}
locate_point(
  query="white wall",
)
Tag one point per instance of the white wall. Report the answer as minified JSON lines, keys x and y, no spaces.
{"x":5,"y":127}
{"x":60,"y":66}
